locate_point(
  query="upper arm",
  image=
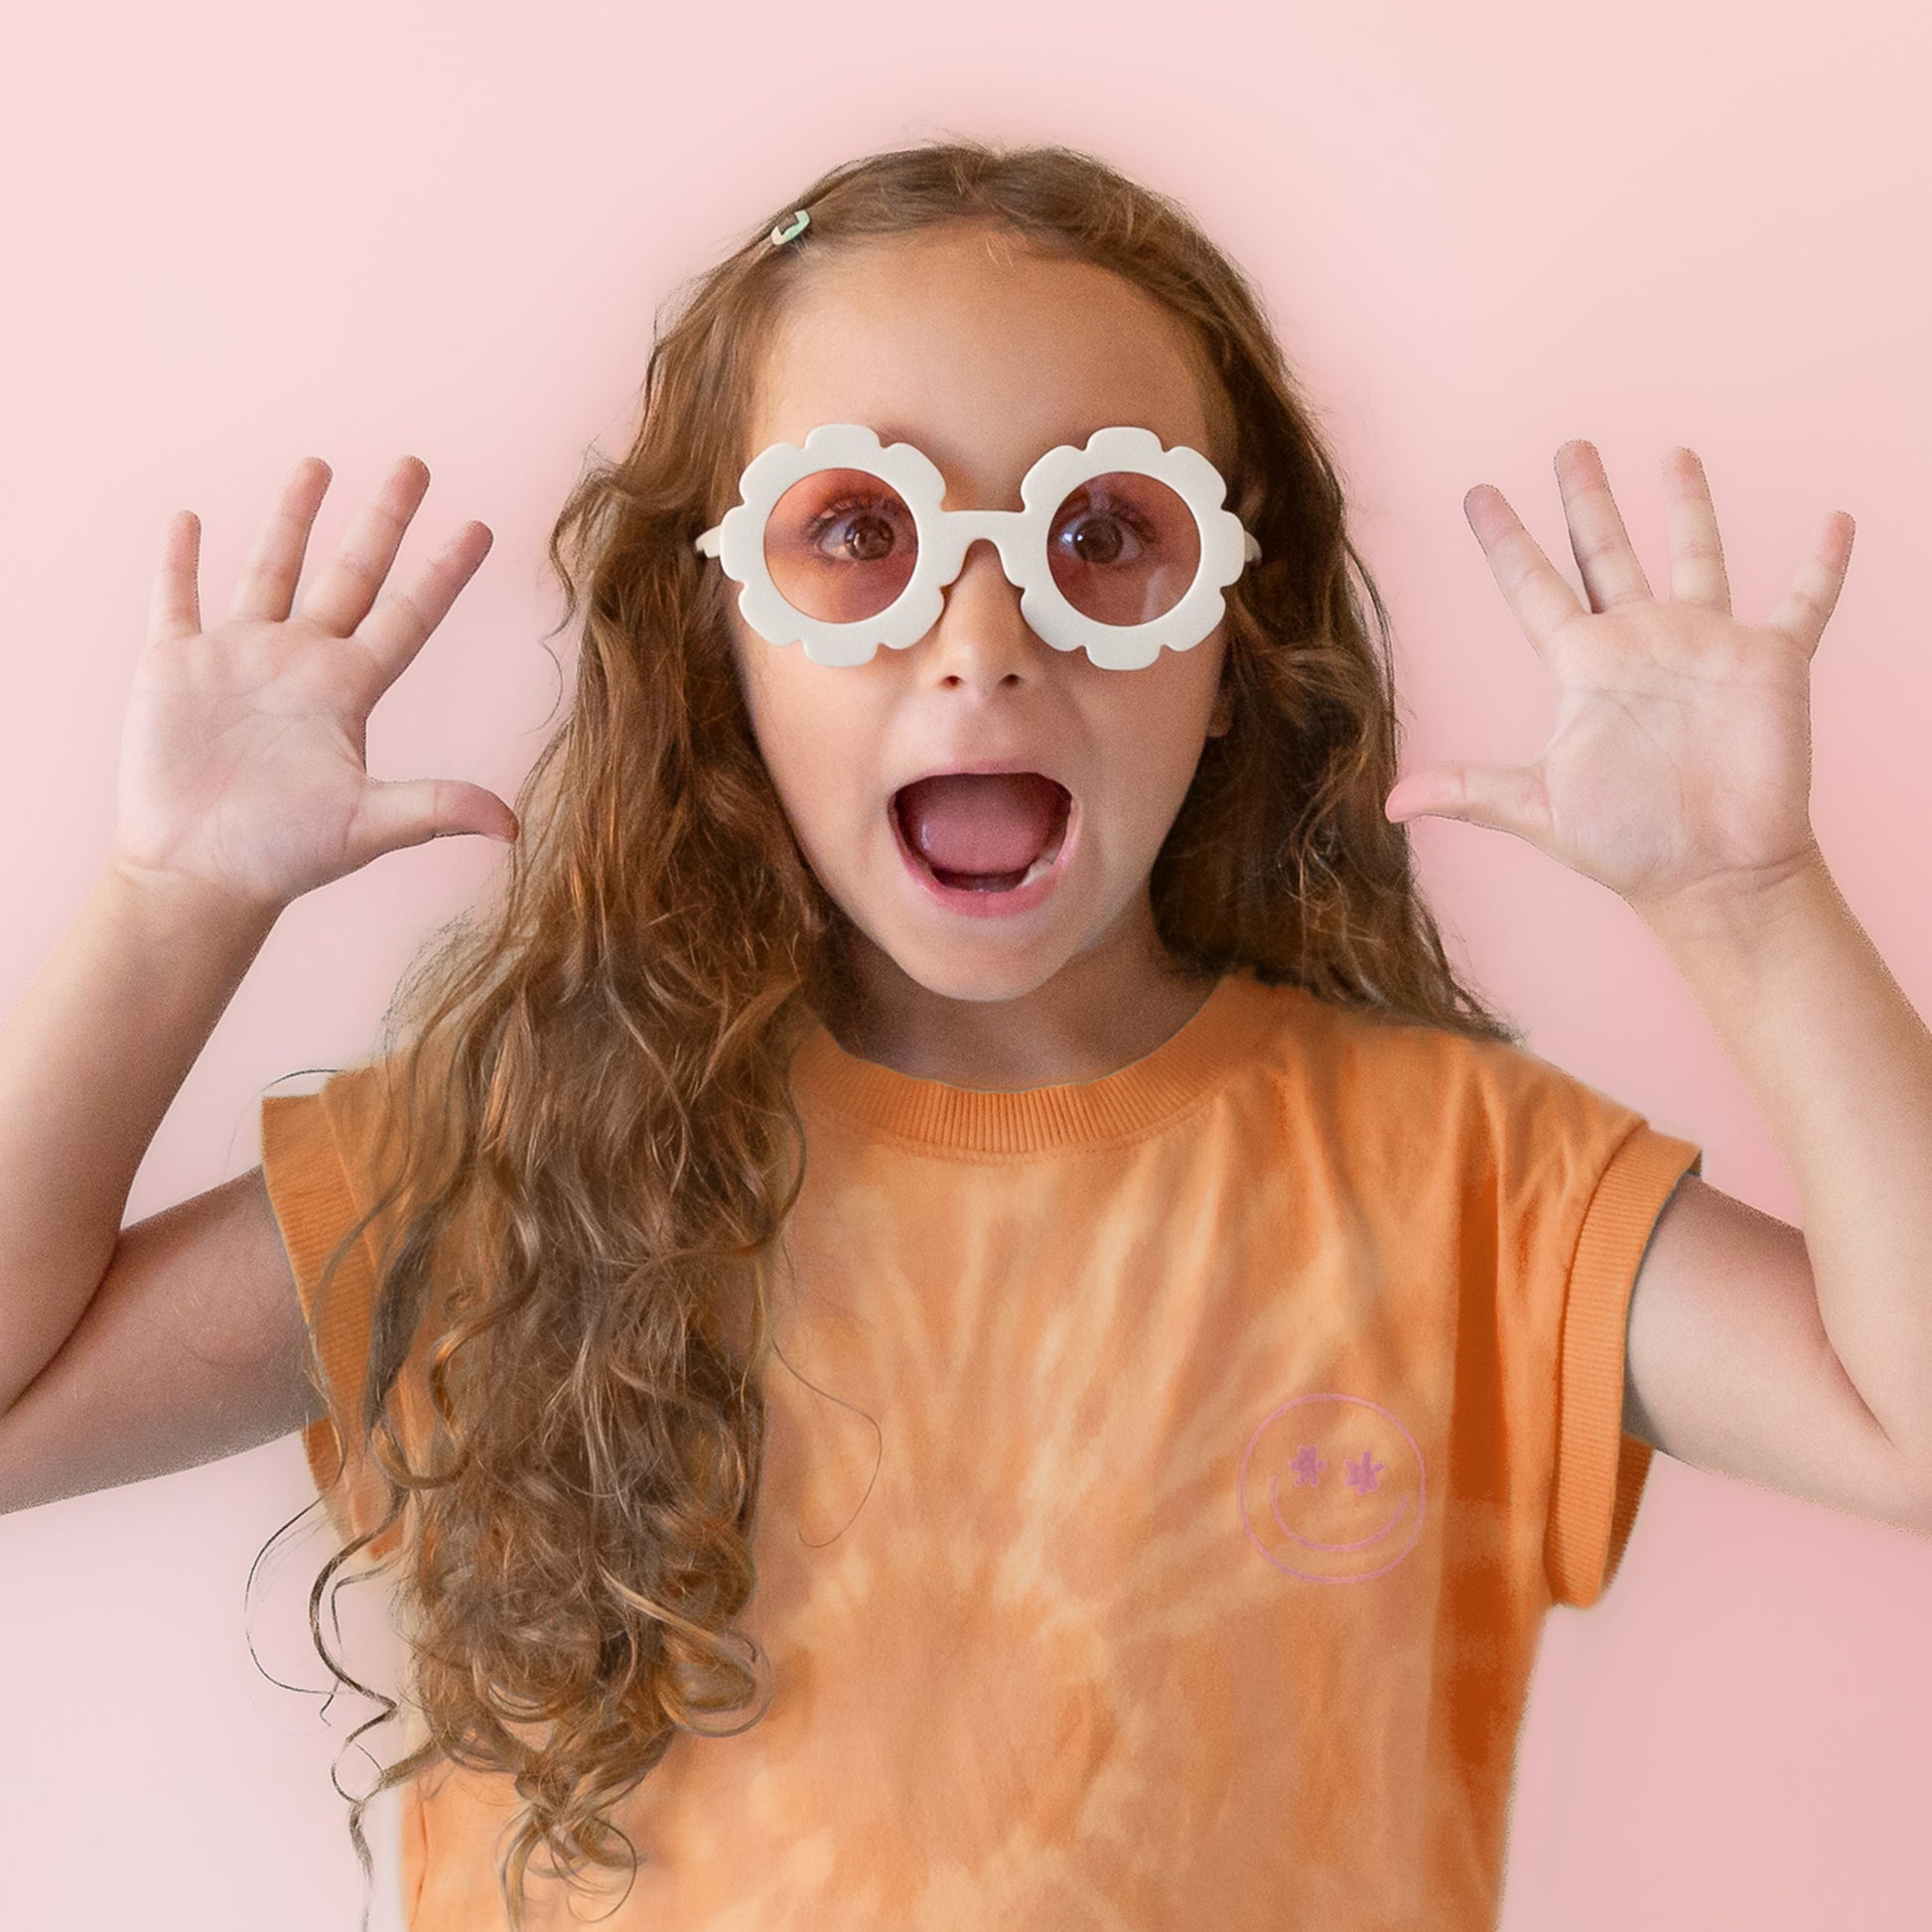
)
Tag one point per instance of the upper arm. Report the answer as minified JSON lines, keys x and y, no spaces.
{"x":194,"y":1347}
{"x":1728,"y":1367}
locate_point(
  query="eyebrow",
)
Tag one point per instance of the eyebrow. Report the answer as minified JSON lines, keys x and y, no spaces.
{"x":892,"y":432}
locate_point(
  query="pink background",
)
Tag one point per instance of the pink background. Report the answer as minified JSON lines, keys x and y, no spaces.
{"x":237,"y":235}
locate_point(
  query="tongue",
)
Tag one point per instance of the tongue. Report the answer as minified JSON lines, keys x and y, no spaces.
{"x":991,"y":822}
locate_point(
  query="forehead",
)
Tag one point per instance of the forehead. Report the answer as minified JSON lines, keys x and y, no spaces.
{"x":979,"y":351}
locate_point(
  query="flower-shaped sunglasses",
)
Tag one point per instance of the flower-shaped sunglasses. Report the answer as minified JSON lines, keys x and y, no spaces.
{"x":842,"y":545}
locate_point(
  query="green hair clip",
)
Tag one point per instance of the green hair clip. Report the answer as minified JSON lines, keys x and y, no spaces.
{"x":790,"y":230}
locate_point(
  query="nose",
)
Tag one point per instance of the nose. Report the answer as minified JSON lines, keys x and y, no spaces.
{"x":981,"y":638}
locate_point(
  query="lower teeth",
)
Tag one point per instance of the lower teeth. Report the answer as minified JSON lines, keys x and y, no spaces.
{"x":993,"y":882}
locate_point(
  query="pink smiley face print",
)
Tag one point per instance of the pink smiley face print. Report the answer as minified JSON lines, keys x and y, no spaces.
{"x":1333,"y":1488}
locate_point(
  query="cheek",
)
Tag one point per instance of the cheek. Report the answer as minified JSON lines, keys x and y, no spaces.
{"x":1174,"y":714}
{"x":811,"y":733}
{"x":778,"y":702}
{"x":1210,"y":680}
{"x":773,"y":716}
{"x":1156,"y":743}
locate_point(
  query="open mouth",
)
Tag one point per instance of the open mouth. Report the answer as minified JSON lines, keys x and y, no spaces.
{"x":994,"y":832}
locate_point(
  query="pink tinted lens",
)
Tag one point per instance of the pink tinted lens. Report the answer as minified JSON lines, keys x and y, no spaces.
{"x":1124,"y":548}
{"x":840,"y":545}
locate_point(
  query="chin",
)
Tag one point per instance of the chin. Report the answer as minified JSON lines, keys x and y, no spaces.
{"x":985,"y":982}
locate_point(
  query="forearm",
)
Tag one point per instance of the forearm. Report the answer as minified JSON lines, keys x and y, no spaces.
{"x":1841,"y":1068}
{"x":92,"y":1057}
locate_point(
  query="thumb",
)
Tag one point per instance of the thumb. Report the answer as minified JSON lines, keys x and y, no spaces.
{"x":1505,"y":798}
{"x":410,"y":812}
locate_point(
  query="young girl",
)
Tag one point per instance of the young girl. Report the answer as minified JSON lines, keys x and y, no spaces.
{"x":944,"y":1313}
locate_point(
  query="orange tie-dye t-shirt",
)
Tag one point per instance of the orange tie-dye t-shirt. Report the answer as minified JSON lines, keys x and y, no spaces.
{"x":1167,"y":1479}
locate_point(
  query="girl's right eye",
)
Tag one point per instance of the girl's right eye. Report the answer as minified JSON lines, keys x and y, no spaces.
{"x":860,"y":530}
{"x":841,"y":518}
{"x":841,"y":545}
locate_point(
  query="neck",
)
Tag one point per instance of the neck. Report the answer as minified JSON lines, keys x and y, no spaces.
{"x":1106,"y":1007}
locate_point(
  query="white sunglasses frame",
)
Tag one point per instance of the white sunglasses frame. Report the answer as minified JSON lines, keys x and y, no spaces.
{"x":1227,"y":547}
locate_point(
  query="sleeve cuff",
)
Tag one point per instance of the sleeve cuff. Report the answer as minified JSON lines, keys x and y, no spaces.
{"x":1599,"y":1470}
{"x":315,"y":1206}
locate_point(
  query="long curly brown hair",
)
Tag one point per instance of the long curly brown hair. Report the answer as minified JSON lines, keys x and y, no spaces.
{"x":596,"y":1144}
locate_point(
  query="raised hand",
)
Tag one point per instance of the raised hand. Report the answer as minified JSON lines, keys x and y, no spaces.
{"x":242,"y":752}
{"x":1680,"y":763}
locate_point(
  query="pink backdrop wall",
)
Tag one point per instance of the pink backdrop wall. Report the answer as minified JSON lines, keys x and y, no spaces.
{"x":234,"y":235}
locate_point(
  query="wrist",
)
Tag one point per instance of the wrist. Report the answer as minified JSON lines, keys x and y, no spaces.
{"x":166,"y":903}
{"x":1740,"y":911}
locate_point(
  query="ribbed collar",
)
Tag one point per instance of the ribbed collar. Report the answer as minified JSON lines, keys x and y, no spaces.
{"x":1222,"y":1034}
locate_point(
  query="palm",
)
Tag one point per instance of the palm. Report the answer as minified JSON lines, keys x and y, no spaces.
{"x":1680,"y":755}
{"x":242,"y":755}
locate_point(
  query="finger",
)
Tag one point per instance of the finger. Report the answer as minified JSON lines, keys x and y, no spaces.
{"x":1610,"y":569}
{"x":1536,"y":592}
{"x":1697,"y":553}
{"x":175,"y":603}
{"x":266,"y":587}
{"x":339,"y":598}
{"x":1811,"y":599}
{"x":411,"y":811}
{"x":394,"y":632}
{"x":1506,"y":798}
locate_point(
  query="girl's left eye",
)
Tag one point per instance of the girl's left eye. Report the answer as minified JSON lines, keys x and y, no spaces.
{"x":1101,"y":534}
